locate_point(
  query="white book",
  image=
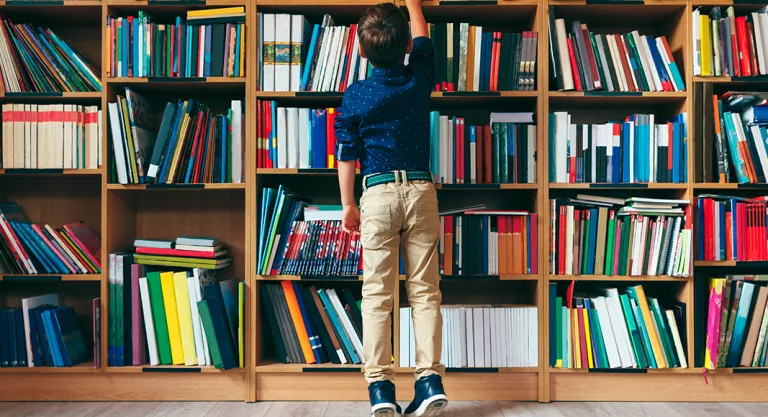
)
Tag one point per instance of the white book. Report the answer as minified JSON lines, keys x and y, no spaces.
{"x":196,"y":273}
{"x":339,"y":73}
{"x":7,"y":133}
{"x":268,"y":28}
{"x":761,"y":346}
{"x":444,"y":339}
{"x":494,"y":340}
{"x":676,"y":338}
{"x":759,"y":141}
{"x":405,"y":330}
{"x":620,"y":332}
{"x":593,"y":150}
{"x":320,"y":65}
{"x":464,"y":35}
{"x":363,"y":69}
{"x":33,"y":136}
{"x":348,"y":328}
{"x":562,"y":50}
{"x":648,"y":62}
{"x":569,"y":239}
{"x":324,"y":66}
{"x":304,"y":139}
{"x":197,"y":329}
{"x":763,"y":18}
{"x":478,"y":50}
{"x":487,"y":332}
{"x":237,"y":141}
{"x":451,"y":166}
{"x":479,"y":333}
{"x":533,"y":337}
{"x":354,"y":61}
{"x":28,"y":304}
{"x":282,"y":137}
{"x":515,"y":341}
{"x":149,"y":324}
{"x":442,"y":127}
{"x":298,"y":27}
{"x":293,"y":137}
{"x":470,"y":333}
{"x":609,"y":340}
{"x":333,"y":58}
{"x":117,"y":143}
{"x":621,"y":78}
{"x":462,"y":339}
{"x":455,"y":339}
{"x":411,"y":340}
{"x":499,"y":336}
{"x":696,"y":23}
{"x":600,"y":50}
{"x":283,"y":52}
{"x":268,"y":61}
{"x":561,"y":142}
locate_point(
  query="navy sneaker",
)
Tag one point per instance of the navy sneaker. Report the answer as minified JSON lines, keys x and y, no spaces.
{"x":383,"y":403}
{"x":430,"y":398}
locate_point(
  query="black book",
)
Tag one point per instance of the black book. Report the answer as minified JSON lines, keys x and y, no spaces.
{"x":317,"y":322}
{"x":603,"y":44}
{"x":580,"y":67}
{"x":554,"y":57}
{"x":4,"y":342}
{"x":291,"y":337}
{"x":522,"y":152}
{"x":637,"y":69}
{"x":218,"y":33}
{"x":194,"y":56}
{"x":759,"y":168}
{"x":456,"y":54}
{"x":579,"y":155}
{"x":274,"y":327}
{"x":580,"y":47}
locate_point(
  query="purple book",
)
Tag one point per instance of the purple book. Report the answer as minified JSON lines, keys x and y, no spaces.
{"x":137,"y":319}
{"x":226,"y":49}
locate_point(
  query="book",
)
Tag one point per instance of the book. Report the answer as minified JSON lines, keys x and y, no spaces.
{"x":730,"y":43}
{"x":726,"y":224}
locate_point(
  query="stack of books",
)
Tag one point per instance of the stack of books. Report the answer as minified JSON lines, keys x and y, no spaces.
{"x":193,"y":145}
{"x":43,"y":136}
{"x":36,"y":248}
{"x":489,"y":242}
{"x":502,"y":151}
{"x":727,"y":45}
{"x":184,"y":252}
{"x":473,"y":58}
{"x":479,"y":337}
{"x":178,"y":318}
{"x":737,"y":322}
{"x":638,"y":150}
{"x":595,"y":235}
{"x":613,"y":330}
{"x":586,"y":61}
{"x":41,"y":333}
{"x":313,"y":326}
{"x":740,"y":136}
{"x":731,"y":228}
{"x":37,"y":60}
{"x":209,"y":43}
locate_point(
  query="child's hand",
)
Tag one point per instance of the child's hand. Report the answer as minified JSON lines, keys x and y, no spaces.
{"x":350,"y":219}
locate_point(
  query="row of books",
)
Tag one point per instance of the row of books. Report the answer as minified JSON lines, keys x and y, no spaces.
{"x":740,"y":136}
{"x":298,"y":56}
{"x":468,"y":58}
{"x":607,"y":236}
{"x":727,"y":45}
{"x":45,"y":136}
{"x":615,"y":330}
{"x":173,"y":318}
{"x":588,"y":61}
{"x":737,"y":322}
{"x":33,"y":248}
{"x":192,"y":145}
{"x":41,"y":333}
{"x":731,"y":228}
{"x":502,"y":151}
{"x":311,"y":325}
{"x":208,"y":43}
{"x":321,"y":248}
{"x":489,"y":242}
{"x":278,"y":211}
{"x":184,"y":252}
{"x":479,"y":336}
{"x":638,"y":150}
{"x":35,"y":60}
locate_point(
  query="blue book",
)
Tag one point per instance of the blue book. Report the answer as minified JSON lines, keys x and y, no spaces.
{"x":682,"y":119}
{"x":224,"y":150}
{"x":594,"y":329}
{"x":229,"y":295}
{"x":700,"y":225}
{"x":21,"y":348}
{"x":319,"y":158}
{"x":207,"y":49}
{"x":314,"y":338}
{"x":125,"y":48}
{"x":676,"y":139}
{"x":733,"y":148}
{"x":676,"y":72}
{"x":295,"y":210}
{"x":52,"y":339}
{"x":626,"y":151}
{"x":641,"y":325}
{"x":135,"y":47}
{"x":71,"y":339}
{"x":4,"y":340}
{"x":45,"y":346}
{"x":434,"y":143}
{"x":45,"y":249}
{"x":657,"y":61}
{"x":224,"y":338}
{"x":335,"y":321}
{"x":34,"y":339}
{"x":488,"y":47}
{"x":183,"y":109}
{"x":238,"y":34}
{"x":592,"y":241}
{"x":616,"y":168}
{"x":310,"y":54}
{"x":10,"y":336}
{"x":740,"y":325}
{"x":31,"y":243}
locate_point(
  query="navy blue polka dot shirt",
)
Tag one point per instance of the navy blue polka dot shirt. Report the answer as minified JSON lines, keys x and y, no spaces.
{"x":384,"y":119}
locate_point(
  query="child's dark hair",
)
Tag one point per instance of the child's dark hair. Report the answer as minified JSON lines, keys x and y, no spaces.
{"x":384,"y":35}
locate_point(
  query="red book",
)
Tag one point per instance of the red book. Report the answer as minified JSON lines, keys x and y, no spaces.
{"x":462,"y":164}
{"x":497,"y":57}
{"x":195,"y":155}
{"x":744,"y":55}
{"x":459,"y":152}
{"x":182,"y":253}
{"x":76,"y":251}
{"x":625,"y":63}
{"x":761,"y":243}
{"x":591,"y":57}
{"x":137,"y":318}
{"x":350,"y":52}
{"x":561,"y":243}
{"x":582,"y":338}
{"x":43,"y":238}
{"x":728,"y":236}
{"x":735,"y":50}
{"x":331,"y":136}
{"x":479,"y":153}
{"x":576,"y":80}
{"x":740,"y":232}
{"x":86,"y":240}
{"x":533,"y":248}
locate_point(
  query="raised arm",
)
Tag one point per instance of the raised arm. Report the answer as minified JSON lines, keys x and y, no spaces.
{"x":418,"y":24}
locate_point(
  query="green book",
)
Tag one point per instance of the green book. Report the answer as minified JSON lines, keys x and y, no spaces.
{"x":609,"y":247}
{"x":229,"y":146}
{"x":112,"y":317}
{"x":210,"y":334}
{"x":158,"y":317}
{"x":635,"y":56}
{"x":603,"y":76}
{"x":559,"y":331}
{"x":118,"y":301}
{"x":585,"y":249}
{"x":642,"y":326}
{"x":663,"y":327}
{"x":597,"y":336}
{"x":504,"y":153}
{"x":496,"y":129}
{"x":634,"y":332}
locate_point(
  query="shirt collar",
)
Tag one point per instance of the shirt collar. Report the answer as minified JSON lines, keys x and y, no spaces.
{"x":396,"y":71}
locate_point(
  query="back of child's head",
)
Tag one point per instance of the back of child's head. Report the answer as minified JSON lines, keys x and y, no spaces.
{"x":384,"y":35}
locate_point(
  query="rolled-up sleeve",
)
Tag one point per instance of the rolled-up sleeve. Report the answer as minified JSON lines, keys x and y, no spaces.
{"x":422,"y":59}
{"x":347,"y":128}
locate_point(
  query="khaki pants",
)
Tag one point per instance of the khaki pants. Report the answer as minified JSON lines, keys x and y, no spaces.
{"x":395,"y":215}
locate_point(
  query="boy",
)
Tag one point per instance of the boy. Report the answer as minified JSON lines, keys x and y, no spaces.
{"x":384,"y":122}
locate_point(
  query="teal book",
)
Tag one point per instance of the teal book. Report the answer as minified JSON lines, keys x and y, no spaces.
{"x":559,"y":332}
{"x":665,"y":333}
{"x":210,"y":333}
{"x":495,"y":152}
{"x":566,"y":336}
{"x":740,"y":325}
{"x":600,"y":339}
{"x":335,"y":321}
{"x":434,"y":145}
{"x":634,"y":332}
{"x":643,"y":329}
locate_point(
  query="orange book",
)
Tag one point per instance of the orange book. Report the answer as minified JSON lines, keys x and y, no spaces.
{"x":502,"y":233}
{"x":471,"y":64}
{"x":448,"y":269}
{"x":524,"y":252}
{"x":510,"y":250}
{"x":298,"y":321}
{"x":653,"y":336}
{"x":515,"y":245}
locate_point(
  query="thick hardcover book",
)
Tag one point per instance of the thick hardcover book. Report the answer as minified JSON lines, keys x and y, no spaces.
{"x":159,"y":318}
{"x":269,"y":310}
{"x":210,"y":333}
{"x":224,"y":336}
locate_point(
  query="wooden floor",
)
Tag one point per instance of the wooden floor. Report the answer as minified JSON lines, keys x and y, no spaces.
{"x":359,"y":409}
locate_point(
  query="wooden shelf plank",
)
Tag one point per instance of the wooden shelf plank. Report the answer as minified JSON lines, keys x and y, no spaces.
{"x":618,"y":186}
{"x":181,"y":82}
{"x":630,"y":371}
{"x":435,"y":94}
{"x":301,"y":367}
{"x":617,"y":278}
{"x":177,"y":187}
{"x":65,"y":3}
{"x":22,"y":96}
{"x":321,"y":2}
{"x":168,"y":369}
{"x":82,"y":368}
{"x":45,"y":277}
{"x":728,"y":186}
{"x":714,"y":263}
{"x":519,"y":370}
{"x":527,"y":277}
{"x":144,"y":3}
{"x":607,"y":94}
{"x":49,"y":173}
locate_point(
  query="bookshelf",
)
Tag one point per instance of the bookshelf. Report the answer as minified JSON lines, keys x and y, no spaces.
{"x":121,"y":213}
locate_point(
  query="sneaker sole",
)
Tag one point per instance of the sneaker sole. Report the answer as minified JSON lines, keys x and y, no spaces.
{"x":431,"y":407}
{"x":386,"y":410}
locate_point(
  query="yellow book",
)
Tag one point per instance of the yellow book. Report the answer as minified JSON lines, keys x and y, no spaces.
{"x":172,"y":317}
{"x":706,"y":45}
{"x":240,"y":328}
{"x":242,"y":51}
{"x":576,"y":351}
{"x":588,"y":338}
{"x":129,"y":138}
{"x":185,"y":318}
{"x":215,"y":12}
{"x":650,"y":328}
{"x":179,"y":147}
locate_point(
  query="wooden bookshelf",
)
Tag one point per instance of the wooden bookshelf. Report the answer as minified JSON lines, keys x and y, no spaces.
{"x":121,"y":213}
